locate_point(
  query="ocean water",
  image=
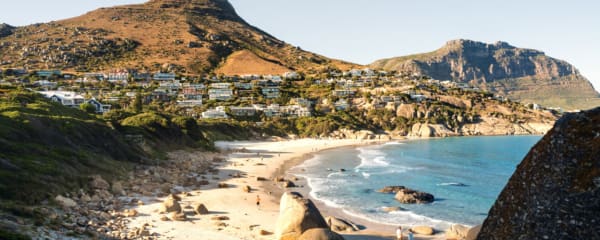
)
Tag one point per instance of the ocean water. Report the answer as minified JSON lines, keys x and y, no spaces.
{"x":465,"y":174}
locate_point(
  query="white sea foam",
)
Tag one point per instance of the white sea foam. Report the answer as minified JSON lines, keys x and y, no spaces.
{"x":456,"y":184}
{"x":393,"y":143}
{"x":405,"y":218}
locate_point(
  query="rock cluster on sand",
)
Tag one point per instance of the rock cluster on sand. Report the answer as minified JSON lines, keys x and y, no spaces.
{"x":423,"y":230}
{"x":340,"y":225}
{"x":299,"y":218}
{"x":555,"y":191}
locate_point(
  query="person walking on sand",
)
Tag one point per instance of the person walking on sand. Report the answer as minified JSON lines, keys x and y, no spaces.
{"x":258,"y":201}
{"x":399,"y":233}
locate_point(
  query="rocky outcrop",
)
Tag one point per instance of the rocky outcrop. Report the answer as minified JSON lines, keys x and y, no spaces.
{"x":297,"y":215}
{"x":555,"y":191}
{"x":430,"y":130}
{"x":524,"y":74}
{"x":412,"y":196}
{"x":6,"y":30}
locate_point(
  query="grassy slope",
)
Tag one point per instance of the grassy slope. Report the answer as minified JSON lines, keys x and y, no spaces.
{"x":46,"y":148}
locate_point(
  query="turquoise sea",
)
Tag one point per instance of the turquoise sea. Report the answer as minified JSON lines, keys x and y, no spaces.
{"x":465,"y":174}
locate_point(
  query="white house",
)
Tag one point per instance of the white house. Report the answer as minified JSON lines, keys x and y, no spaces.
{"x":69,"y":99}
{"x":220,"y":94}
{"x":164,"y":76}
{"x":189,"y":103}
{"x":218,"y":112}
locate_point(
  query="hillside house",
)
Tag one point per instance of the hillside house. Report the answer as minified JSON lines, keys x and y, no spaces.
{"x":69,"y":99}
{"x":344,"y":92}
{"x":243,"y":86}
{"x":273,"y":110}
{"x":220,"y":94}
{"x":188,"y":103}
{"x":243,"y":111}
{"x":119,"y":76}
{"x":270,"y":92}
{"x":93,"y":76}
{"x":45,"y":84}
{"x":218,"y":112}
{"x":220,"y":85}
{"x":301,"y":101}
{"x":100,"y":107}
{"x":164,"y":76}
{"x":47,"y":73}
{"x":291,"y":75}
{"x":295,"y":111}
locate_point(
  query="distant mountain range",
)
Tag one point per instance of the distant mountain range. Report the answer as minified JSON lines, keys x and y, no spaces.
{"x":522,"y":74}
{"x":193,"y":36}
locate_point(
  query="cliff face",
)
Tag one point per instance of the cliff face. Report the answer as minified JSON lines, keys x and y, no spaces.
{"x":522,"y":74}
{"x":193,"y":36}
{"x":555,"y":191}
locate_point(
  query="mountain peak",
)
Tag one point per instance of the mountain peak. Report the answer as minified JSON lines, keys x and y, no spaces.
{"x":519,"y":73}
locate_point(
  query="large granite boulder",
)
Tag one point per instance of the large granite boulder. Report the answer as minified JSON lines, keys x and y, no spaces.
{"x":555,"y":191}
{"x":320,"y":234}
{"x":457,"y":231}
{"x":408,"y":195}
{"x":297,"y":215}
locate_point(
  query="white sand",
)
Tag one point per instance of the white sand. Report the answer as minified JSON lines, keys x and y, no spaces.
{"x":246,"y":219}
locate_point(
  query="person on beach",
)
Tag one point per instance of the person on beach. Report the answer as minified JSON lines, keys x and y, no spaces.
{"x":410,"y":235}
{"x":258,"y":201}
{"x":399,"y":233}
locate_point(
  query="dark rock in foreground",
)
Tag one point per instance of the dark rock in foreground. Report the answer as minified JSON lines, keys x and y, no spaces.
{"x":555,"y":191}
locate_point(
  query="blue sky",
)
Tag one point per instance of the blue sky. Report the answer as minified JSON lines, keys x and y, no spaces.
{"x":362,"y":31}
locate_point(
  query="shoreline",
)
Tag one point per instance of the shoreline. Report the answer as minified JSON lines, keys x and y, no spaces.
{"x":372,"y":230}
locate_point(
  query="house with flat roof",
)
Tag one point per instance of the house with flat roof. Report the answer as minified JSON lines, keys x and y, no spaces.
{"x":220,"y":94}
{"x":243,"y":111}
{"x":164,"y":76}
{"x":215,"y":113}
{"x":270,"y":92}
{"x":66,"y":98}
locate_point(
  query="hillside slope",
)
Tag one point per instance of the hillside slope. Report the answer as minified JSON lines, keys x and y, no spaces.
{"x":522,"y":74}
{"x":193,"y":36}
{"x":555,"y":191}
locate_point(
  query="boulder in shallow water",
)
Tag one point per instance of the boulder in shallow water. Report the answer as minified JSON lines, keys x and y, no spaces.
{"x":412,"y":196}
{"x":391,"y":189}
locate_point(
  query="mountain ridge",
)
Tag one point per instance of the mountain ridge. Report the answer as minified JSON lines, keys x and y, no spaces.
{"x":522,"y":74}
{"x":188,"y":36}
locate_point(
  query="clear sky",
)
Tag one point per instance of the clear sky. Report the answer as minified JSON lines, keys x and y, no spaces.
{"x":362,"y":31}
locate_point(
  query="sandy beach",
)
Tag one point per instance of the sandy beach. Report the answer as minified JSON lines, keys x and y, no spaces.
{"x":246,"y":161}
